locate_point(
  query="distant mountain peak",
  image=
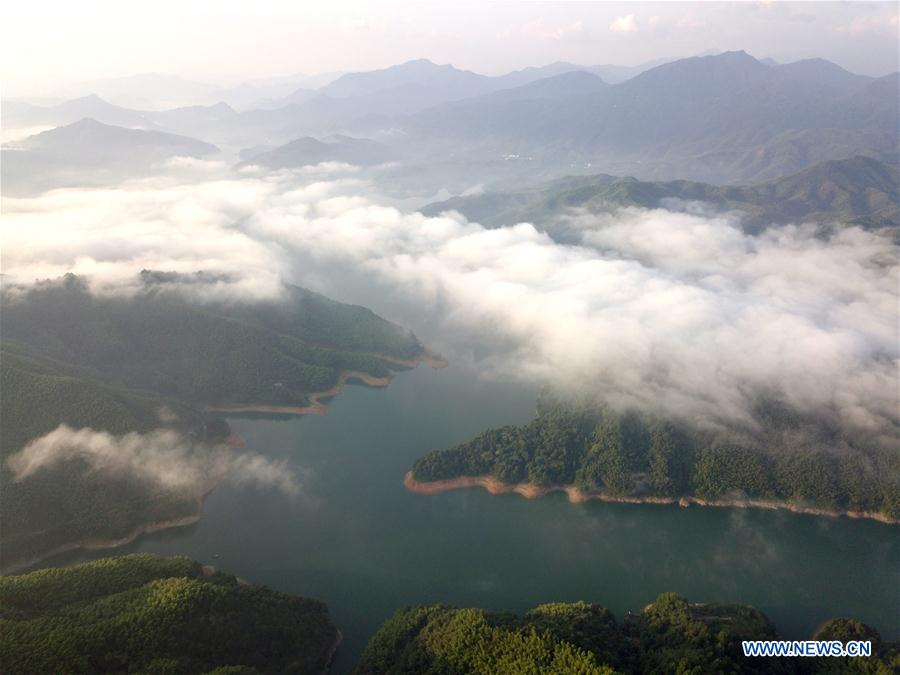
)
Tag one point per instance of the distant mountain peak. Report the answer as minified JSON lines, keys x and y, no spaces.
{"x":90,"y":98}
{"x":86,"y":122}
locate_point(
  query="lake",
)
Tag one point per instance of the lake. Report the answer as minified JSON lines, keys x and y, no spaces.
{"x":356,"y":539}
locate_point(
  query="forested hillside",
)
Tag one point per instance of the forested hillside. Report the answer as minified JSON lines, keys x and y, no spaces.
{"x":668,"y":636}
{"x":160,"y":341}
{"x":855,"y":191}
{"x":790,"y":459}
{"x":143,"y":613}
{"x":150,"y":361}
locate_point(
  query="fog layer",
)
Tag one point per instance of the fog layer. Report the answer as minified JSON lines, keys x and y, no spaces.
{"x":673,"y":312}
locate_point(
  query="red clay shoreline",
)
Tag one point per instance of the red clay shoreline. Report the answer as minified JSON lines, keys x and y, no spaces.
{"x":98,"y":544}
{"x":577,"y":496}
{"x":234,"y":440}
{"x":317,"y":406}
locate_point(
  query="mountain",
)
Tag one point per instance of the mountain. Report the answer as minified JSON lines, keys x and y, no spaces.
{"x":145,"y":613}
{"x":820,"y":72}
{"x":146,"y":90}
{"x":22,"y":114}
{"x":669,"y":635}
{"x":418,"y":72}
{"x":611,"y":73}
{"x":517,"y":78}
{"x":721,"y":118}
{"x":89,"y":135}
{"x":113,"y":363}
{"x":89,"y":152}
{"x":556,"y":87}
{"x":855,"y":191}
{"x":399,"y":90}
{"x":614,"y":74}
{"x":199,"y":120}
{"x":309,"y":151}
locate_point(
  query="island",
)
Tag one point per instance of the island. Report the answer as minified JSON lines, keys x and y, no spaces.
{"x":590,"y":451}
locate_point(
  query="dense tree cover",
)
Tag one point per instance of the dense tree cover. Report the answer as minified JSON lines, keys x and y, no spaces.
{"x":65,"y":503}
{"x":676,"y":636}
{"x":136,"y":363}
{"x":843,"y":629}
{"x":446,"y":641}
{"x":143,"y":613}
{"x":791,"y":459}
{"x":854,"y":191}
{"x":158,"y":340}
{"x":670,"y":635}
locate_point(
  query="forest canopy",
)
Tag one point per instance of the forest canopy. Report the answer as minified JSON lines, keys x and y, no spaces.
{"x":669,"y":635}
{"x":789,"y":458}
{"x":158,"y":358}
{"x":144,"y":613}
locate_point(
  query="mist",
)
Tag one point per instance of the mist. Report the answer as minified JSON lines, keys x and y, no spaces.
{"x":164,"y":458}
{"x":672,"y":312}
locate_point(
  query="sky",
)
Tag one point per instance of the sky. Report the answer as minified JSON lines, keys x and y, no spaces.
{"x":44,"y":44}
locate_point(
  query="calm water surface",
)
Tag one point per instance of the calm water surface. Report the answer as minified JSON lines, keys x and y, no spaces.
{"x":358,"y":540}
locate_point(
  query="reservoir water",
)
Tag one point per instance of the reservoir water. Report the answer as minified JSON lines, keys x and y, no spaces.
{"x":356,"y":539}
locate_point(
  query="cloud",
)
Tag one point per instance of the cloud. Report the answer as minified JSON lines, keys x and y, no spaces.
{"x":163,"y":458}
{"x":861,"y":26}
{"x":689,"y":22}
{"x":111,"y":234}
{"x":625,"y":24}
{"x":680,"y":313}
{"x":540,"y":29}
{"x":676,"y":312}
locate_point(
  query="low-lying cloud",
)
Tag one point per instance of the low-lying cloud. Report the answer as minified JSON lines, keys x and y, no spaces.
{"x":677,"y":313}
{"x":164,"y":458}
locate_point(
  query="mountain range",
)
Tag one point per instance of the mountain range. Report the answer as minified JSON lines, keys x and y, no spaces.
{"x":855,"y":191}
{"x":723,"y":118}
{"x":715,"y":118}
{"x":89,"y":152}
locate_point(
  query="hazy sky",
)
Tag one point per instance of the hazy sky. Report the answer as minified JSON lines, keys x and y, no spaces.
{"x":222,"y":41}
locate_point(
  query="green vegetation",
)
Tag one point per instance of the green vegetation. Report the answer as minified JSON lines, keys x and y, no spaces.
{"x":855,"y":191}
{"x":668,"y":636}
{"x":265,"y":352}
{"x":146,"y":614}
{"x":793,"y":459}
{"x":123,"y":364}
{"x":66,"y":504}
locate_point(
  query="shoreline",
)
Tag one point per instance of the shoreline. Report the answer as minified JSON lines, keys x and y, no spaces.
{"x":316,"y":406}
{"x":234,"y":440}
{"x":577,"y":496}
{"x":99,"y":544}
{"x":332,"y":652}
{"x":428,"y":358}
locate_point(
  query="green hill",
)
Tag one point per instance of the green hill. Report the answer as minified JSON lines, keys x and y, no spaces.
{"x":792,"y":459}
{"x":149,"y":361}
{"x":146,"y":614}
{"x":267,"y":352}
{"x":855,"y":191}
{"x":668,"y":636}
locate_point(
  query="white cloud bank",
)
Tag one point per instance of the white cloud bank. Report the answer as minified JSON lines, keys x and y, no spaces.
{"x":164,"y":458}
{"x":625,"y":24}
{"x":674,"y":312}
